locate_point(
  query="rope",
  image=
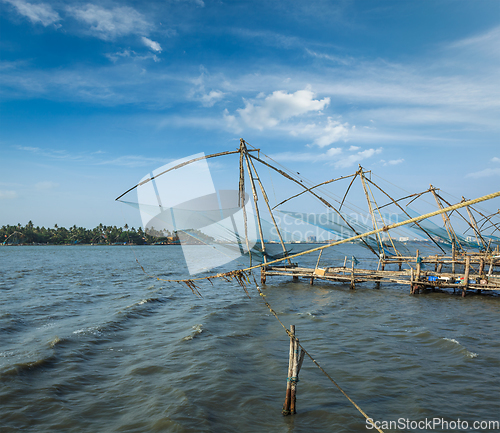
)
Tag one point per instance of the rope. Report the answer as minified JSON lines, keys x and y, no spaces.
{"x":290,"y":379}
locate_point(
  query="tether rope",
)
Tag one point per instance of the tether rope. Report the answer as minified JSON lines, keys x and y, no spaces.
{"x":370,"y":420}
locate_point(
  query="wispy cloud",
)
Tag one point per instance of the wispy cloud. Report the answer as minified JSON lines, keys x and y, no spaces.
{"x":356,"y":158}
{"x":51,"y":153}
{"x":134,"y":161}
{"x":491,"y":38}
{"x":39,"y":13}
{"x":89,"y":158}
{"x":46,"y":185}
{"x":208,"y":98}
{"x":392,"y":161}
{"x":7,"y":194}
{"x":335,"y":156}
{"x":487,"y":172}
{"x":108,"y":24}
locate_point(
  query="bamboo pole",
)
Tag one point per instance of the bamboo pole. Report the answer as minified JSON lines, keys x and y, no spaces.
{"x":370,"y":208}
{"x":453,"y":254}
{"x":466,"y":276}
{"x":268,"y":207}
{"x":481,"y":266}
{"x":412,"y":290}
{"x":286,"y":405}
{"x":444,"y":215}
{"x":473,"y":224}
{"x":242,"y":196}
{"x":418,"y":266}
{"x":352,"y":274}
{"x":213,"y":155}
{"x":255,"y":199}
{"x":294,"y":378}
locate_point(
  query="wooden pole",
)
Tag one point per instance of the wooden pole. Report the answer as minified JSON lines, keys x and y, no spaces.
{"x":286,"y":405}
{"x":352,"y":274}
{"x":263,"y":191}
{"x":257,"y":215}
{"x":453,"y":257}
{"x":294,"y":379}
{"x":481,"y":266}
{"x":242,"y":196}
{"x":412,"y":290}
{"x":466,"y":276}
{"x":418,"y":262}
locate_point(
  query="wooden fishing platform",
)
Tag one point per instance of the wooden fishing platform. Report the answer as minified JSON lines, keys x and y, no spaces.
{"x":445,"y":274}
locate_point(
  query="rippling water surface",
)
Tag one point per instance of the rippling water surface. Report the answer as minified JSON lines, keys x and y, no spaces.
{"x":89,"y":343}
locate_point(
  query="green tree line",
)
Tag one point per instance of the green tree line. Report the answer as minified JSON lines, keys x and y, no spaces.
{"x":29,"y":234}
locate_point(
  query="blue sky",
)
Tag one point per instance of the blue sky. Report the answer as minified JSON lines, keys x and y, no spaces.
{"x":96,"y":95}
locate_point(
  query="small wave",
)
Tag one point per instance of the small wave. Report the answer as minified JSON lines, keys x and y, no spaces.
{"x":94,"y":330}
{"x":468,"y":353}
{"x":55,"y":342}
{"x":30,"y":366}
{"x":197,"y":330}
{"x":145,"y":301}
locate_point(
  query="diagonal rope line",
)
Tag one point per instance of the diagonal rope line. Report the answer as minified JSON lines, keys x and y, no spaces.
{"x":370,"y":420}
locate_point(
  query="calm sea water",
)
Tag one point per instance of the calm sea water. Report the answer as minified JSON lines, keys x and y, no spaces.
{"x":88,"y":343}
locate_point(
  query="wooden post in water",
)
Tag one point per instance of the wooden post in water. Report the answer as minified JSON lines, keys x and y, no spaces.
{"x":466,"y":276}
{"x":294,"y":364}
{"x":294,"y":378}
{"x":418,"y":262}
{"x":412,"y":290}
{"x":352,"y":274}
{"x":286,"y":405}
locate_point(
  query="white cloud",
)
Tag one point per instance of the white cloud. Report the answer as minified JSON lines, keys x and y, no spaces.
{"x":267,"y":112}
{"x":7,"y":194}
{"x":335,"y":156}
{"x":209,"y":99}
{"x":37,"y":13}
{"x":487,"y":172}
{"x":108,"y":24}
{"x":392,"y":161}
{"x":40,"y":186}
{"x":356,"y":158}
{"x":307,"y":156}
{"x":152,"y":45}
{"x":334,"y":131}
{"x":495,"y":159}
{"x":199,"y":92}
